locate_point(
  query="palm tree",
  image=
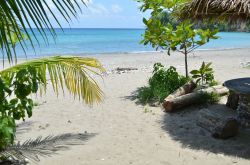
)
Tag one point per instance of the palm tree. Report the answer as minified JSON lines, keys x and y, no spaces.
{"x":16,"y":18}
{"x":71,"y":73}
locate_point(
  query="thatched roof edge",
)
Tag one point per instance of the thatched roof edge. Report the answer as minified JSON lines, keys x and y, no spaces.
{"x":231,"y":10}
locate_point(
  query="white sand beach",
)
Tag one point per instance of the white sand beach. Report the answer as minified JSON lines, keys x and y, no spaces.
{"x":129,"y":133}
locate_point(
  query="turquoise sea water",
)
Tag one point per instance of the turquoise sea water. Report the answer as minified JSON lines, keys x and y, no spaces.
{"x":101,"y":41}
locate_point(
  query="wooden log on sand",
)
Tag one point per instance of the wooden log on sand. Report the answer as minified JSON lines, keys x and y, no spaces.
{"x":126,"y":69}
{"x":216,"y":123}
{"x":191,"y":98}
{"x":185,"y":89}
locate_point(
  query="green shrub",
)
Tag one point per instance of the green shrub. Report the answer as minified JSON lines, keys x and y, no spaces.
{"x":204,"y":76}
{"x":144,"y":94}
{"x":7,"y":131}
{"x":213,"y":83}
{"x":210,"y":98}
{"x":161,"y":84}
{"x":15,"y":101}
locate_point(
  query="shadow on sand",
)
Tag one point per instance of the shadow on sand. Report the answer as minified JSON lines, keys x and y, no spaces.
{"x":133,"y":97}
{"x":24,"y":127}
{"x":181,"y":126}
{"x":33,"y":149}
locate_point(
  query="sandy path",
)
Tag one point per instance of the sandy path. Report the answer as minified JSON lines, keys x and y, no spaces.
{"x":125,"y":133}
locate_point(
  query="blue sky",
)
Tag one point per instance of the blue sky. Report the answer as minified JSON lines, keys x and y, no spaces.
{"x":109,"y":14}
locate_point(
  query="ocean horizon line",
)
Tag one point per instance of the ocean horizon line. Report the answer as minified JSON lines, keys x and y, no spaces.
{"x":94,"y":28}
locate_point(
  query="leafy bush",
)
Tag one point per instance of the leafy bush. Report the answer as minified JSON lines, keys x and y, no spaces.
{"x":204,"y":75}
{"x":209,"y":98}
{"x":7,"y":131}
{"x":15,"y":103}
{"x":144,"y":94}
{"x":161,"y":84}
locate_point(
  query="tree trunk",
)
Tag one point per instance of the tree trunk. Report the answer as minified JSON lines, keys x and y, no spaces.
{"x":192,"y":98}
{"x":219,"y":126}
{"x":186,"y":63}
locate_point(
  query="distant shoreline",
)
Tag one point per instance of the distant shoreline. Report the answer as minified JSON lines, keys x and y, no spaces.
{"x":94,"y":28}
{"x":124,"y":53}
{"x":117,"y":54}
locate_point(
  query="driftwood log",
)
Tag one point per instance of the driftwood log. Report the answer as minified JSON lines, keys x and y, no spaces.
{"x":233,"y":100}
{"x":125,"y":69}
{"x":171,"y":104}
{"x":216,"y":123}
{"x":185,"y":89}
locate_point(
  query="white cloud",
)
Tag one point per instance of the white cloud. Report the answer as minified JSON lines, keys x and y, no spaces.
{"x":52,"y":6}
{"x":98,"y":9}
{"x":116,"y":8}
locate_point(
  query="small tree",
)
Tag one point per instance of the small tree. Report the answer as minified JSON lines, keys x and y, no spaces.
{"x":182,"y":38}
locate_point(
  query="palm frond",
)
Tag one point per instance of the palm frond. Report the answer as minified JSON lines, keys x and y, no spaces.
{"x":74,"y":73}
{"x":19,"y":16}
{"x":45,"y":147}
{"x":229,"y":10}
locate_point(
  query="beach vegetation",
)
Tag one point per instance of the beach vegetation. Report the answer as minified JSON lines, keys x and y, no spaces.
{"x":209,"y":98}
{"x":163,"y":82}
{"x":204,"y":75}
{"x":180,"y":37}
{"x":19,"y":82}
{"x":19,"y":19}
{"x":144,"y":94}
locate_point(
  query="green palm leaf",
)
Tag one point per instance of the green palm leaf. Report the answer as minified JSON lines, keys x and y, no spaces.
{"x":73,"y":73}
{"x":18,"y":16}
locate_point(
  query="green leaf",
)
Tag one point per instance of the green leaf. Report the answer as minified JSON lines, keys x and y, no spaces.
{"x":74,"y":73}
{"x":194,"y":72}
{"x":17,"y":16}
{"x":145,"y":21}
{"x":196,"y":76}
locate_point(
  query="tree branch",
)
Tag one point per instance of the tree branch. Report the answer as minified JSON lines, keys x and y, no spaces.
{"x":193,"y":48}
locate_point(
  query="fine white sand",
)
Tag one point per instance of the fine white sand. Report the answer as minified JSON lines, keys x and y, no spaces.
{"x":130,"y":133}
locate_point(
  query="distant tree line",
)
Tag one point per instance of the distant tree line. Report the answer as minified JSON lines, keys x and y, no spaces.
{"x":165,"y":18}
